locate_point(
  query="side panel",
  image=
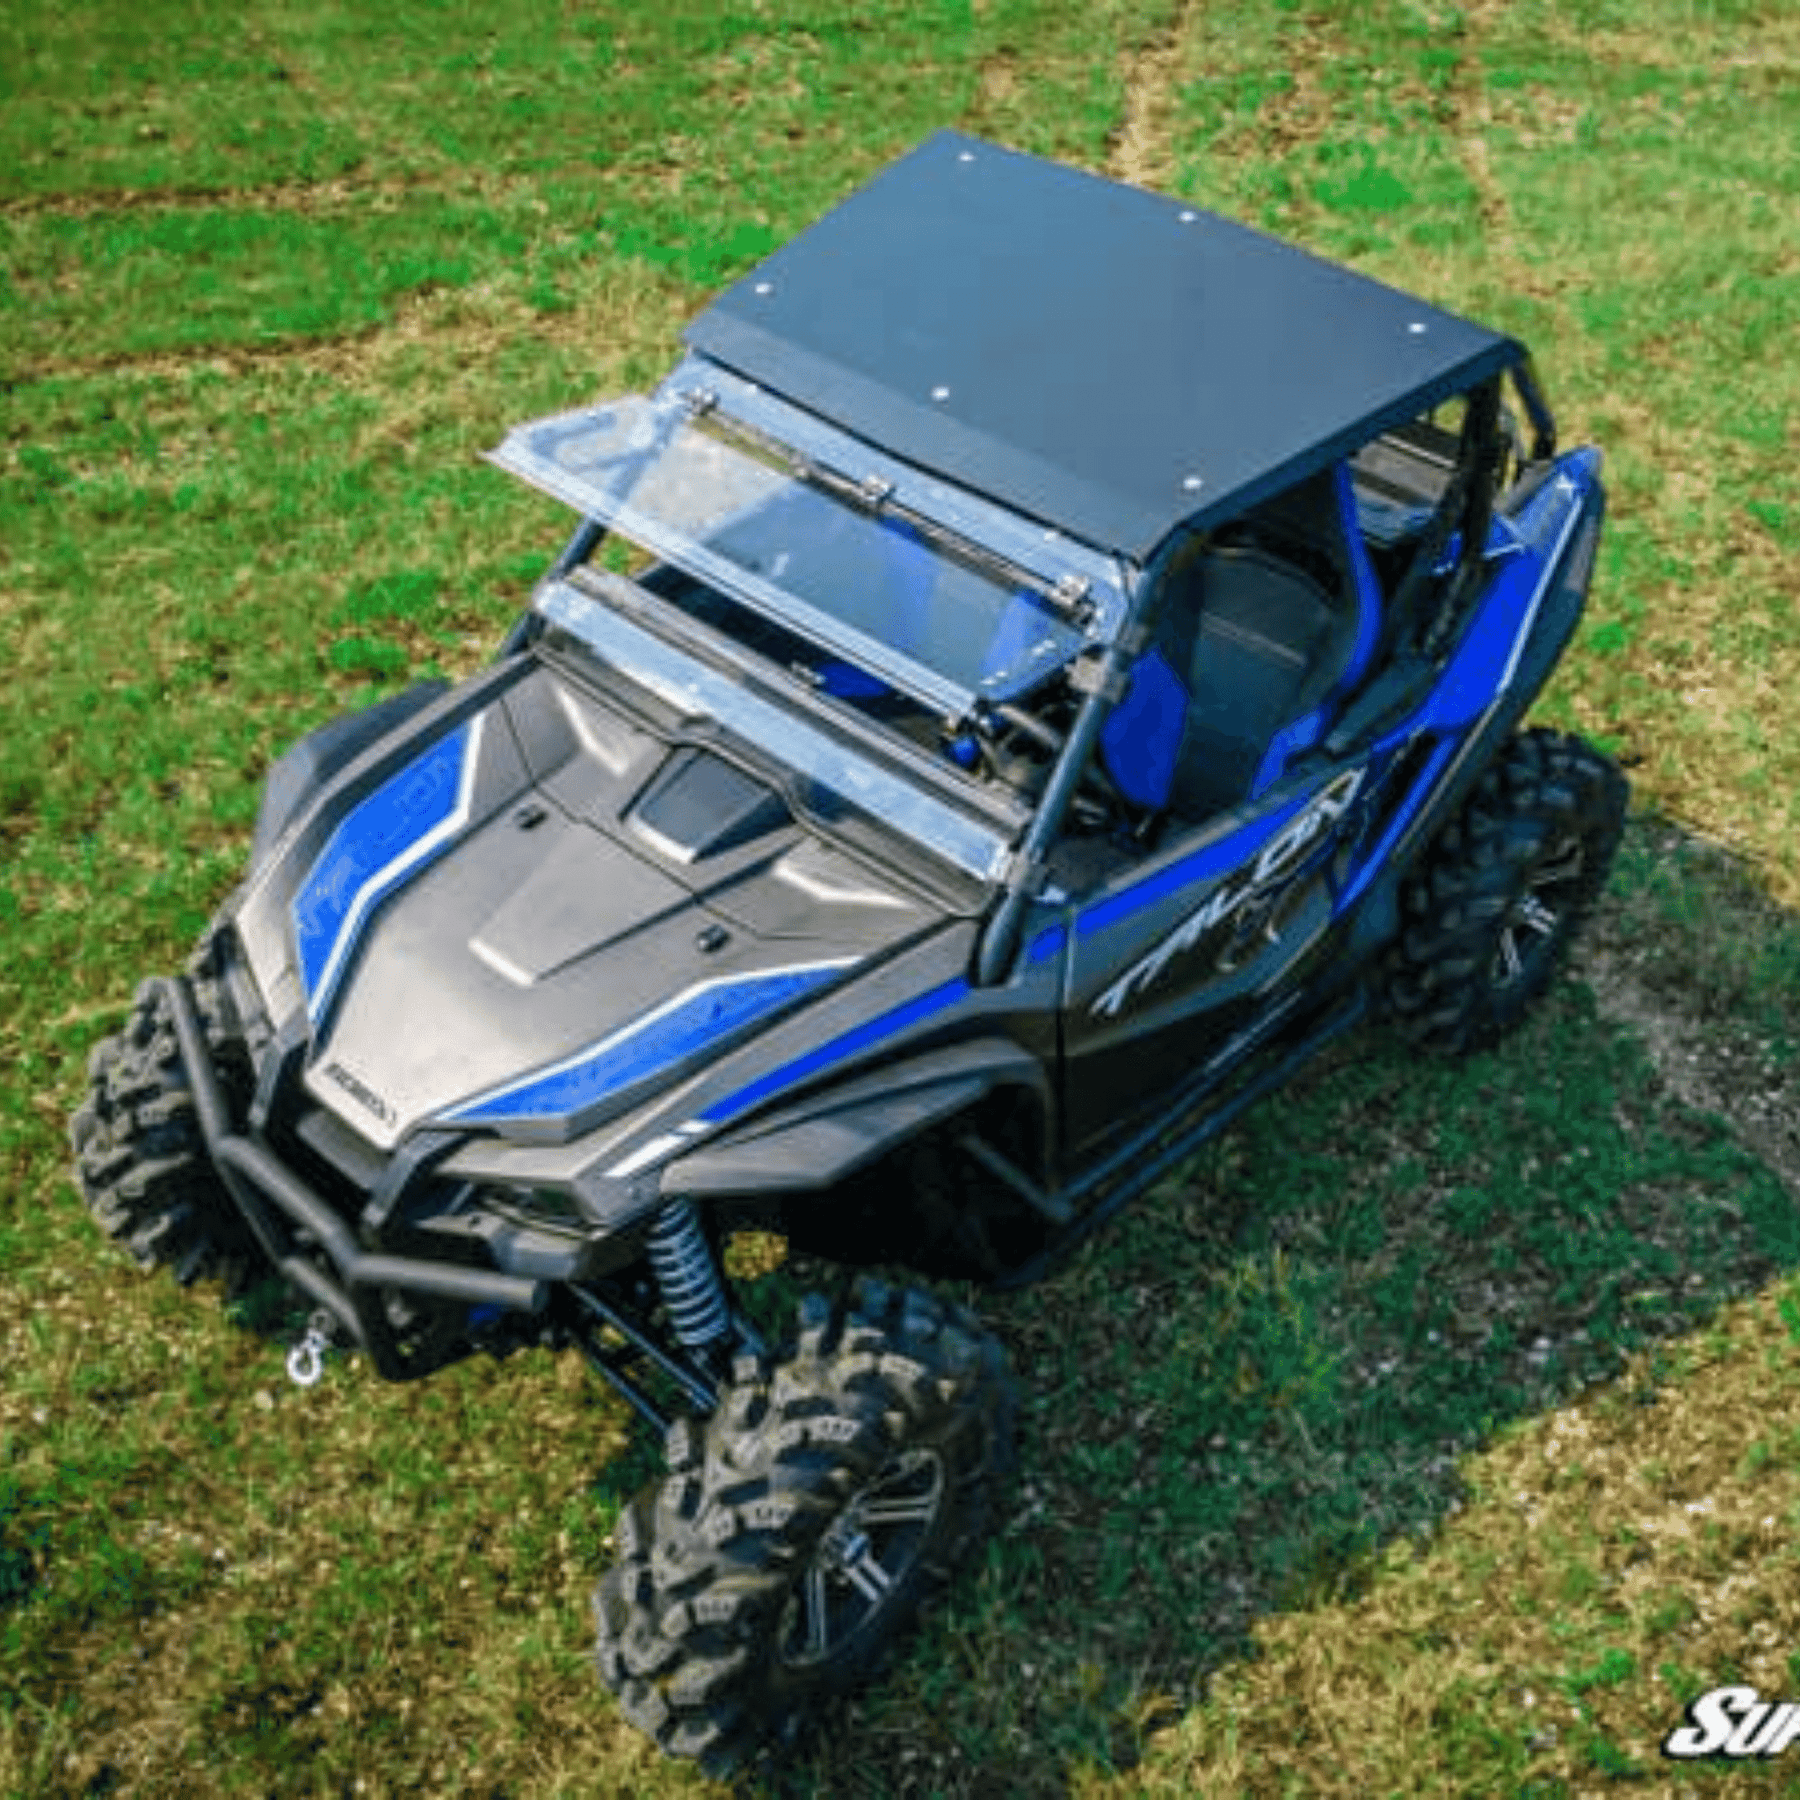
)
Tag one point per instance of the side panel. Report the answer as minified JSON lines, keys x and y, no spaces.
{"x":1167,"y":967}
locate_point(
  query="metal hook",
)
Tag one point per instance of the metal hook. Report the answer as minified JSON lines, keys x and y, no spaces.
{"x":306,"y":1361}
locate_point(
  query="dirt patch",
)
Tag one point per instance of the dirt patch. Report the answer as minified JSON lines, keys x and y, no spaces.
{"x":1724,"y":1071}
{"x":354,"y":192}
{"x":1674,"y":958}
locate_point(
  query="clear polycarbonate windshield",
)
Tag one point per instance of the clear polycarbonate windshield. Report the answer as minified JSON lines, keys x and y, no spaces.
{"x":837,"y":775}
{"x":837,"y":557}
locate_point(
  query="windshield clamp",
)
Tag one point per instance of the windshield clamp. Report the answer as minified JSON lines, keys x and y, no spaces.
{"x":1094,"y":672}
{"x":1017,"y":869}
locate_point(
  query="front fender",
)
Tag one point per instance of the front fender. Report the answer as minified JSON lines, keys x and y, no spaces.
{"x":807,"y":1148}
{"x":305,"y":767}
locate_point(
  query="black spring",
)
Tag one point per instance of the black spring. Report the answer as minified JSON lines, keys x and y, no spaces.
{"x":688,"y":1276}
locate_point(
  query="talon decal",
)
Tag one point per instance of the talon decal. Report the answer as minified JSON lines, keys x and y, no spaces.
{"x":1279,"y":861}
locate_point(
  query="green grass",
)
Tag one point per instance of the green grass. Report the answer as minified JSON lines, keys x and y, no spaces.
{"x":1319,"y":1491}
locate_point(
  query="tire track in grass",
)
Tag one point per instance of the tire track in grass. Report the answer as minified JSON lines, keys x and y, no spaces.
{"x":332,"y":194}
{"x":1143,"y":147}
{"x":458,"y":321}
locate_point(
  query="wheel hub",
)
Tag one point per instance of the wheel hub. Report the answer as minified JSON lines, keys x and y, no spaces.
{"x":1533,"y":920}
{"x":864,"y":1556}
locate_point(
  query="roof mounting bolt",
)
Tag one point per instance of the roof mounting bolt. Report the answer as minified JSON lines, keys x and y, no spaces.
{"x":714,"y":937}
{"x":940,"y":393}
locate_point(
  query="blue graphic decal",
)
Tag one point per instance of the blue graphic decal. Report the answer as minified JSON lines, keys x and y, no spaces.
{"x":385,"y":840}
{"x":694,"y":1020}
{"x":839,"y":1047}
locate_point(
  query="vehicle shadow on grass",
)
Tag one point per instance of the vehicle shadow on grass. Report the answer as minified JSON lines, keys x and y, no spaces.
{"x":1270,"y":1369}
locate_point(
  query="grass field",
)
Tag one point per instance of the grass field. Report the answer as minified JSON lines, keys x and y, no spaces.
{"x":1437,"y":1431}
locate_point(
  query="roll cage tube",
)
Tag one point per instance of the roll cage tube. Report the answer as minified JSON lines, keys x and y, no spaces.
{"x":586,"y":538}
{"x":1537,"y":410}
{"x":1483,"y":454}
{"x":1104,"y":681}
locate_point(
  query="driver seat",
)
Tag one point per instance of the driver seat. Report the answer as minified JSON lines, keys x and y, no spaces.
{"x":1257,"y":646}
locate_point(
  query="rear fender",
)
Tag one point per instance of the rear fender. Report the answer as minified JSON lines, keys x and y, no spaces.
{"x":810,"y":1147}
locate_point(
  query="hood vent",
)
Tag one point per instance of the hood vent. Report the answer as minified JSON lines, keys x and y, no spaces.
{"x":700,"y":805}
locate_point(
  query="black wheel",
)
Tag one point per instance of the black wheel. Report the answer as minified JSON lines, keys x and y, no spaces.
{"x":140,"y":1161}
{"x":1489,"y":912}
{"x":804,"y":1523}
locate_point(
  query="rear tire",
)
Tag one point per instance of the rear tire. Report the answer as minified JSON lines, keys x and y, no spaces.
{"x":1491,"y":910}
{"x":140,"y":1159}
{"x":804,"y":1524}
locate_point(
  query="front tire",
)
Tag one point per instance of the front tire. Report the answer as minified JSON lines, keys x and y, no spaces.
{"x":1494,"y":904}
{"x":804,"y":1524}
{"x":140,"y":1159}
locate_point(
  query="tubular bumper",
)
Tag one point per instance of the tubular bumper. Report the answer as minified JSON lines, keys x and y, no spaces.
{"x":279,"y":1207}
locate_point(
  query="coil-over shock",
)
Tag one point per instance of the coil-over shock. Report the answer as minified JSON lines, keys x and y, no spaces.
{"x":687,"y":1274}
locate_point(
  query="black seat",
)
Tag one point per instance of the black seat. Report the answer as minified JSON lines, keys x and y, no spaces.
{"x":1265,"y":643}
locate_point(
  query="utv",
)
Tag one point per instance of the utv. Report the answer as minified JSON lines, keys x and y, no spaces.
{"x":1064,"y":666}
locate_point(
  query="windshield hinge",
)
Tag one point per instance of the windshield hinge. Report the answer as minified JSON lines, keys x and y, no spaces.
{"x":699,"y":401}
{"x":874,"y":492}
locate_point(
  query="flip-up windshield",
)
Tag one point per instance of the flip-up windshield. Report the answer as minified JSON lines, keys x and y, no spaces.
{"x":855,"y":559}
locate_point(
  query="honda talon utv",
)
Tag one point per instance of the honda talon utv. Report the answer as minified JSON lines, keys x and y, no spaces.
{"x":1064,"y":664}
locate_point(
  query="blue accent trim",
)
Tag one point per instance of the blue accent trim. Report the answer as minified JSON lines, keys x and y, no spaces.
{"x":845,"y":681}
{"x":859,"y":1038}
{"x":1301,"y":734}
{"x":1286,"y":744}
{"x":1047,"y":944}
{"x":1376,"y":859}
{"x":691,"y":1022}
{"x":386,"y":839}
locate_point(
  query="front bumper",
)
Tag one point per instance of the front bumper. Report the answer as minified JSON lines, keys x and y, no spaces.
{"x":307,"y":1240}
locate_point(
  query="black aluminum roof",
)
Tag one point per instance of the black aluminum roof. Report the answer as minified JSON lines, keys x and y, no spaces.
{"x":1101,"y":358}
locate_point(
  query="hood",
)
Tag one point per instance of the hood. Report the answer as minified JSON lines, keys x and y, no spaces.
{"x":544,"y":912}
